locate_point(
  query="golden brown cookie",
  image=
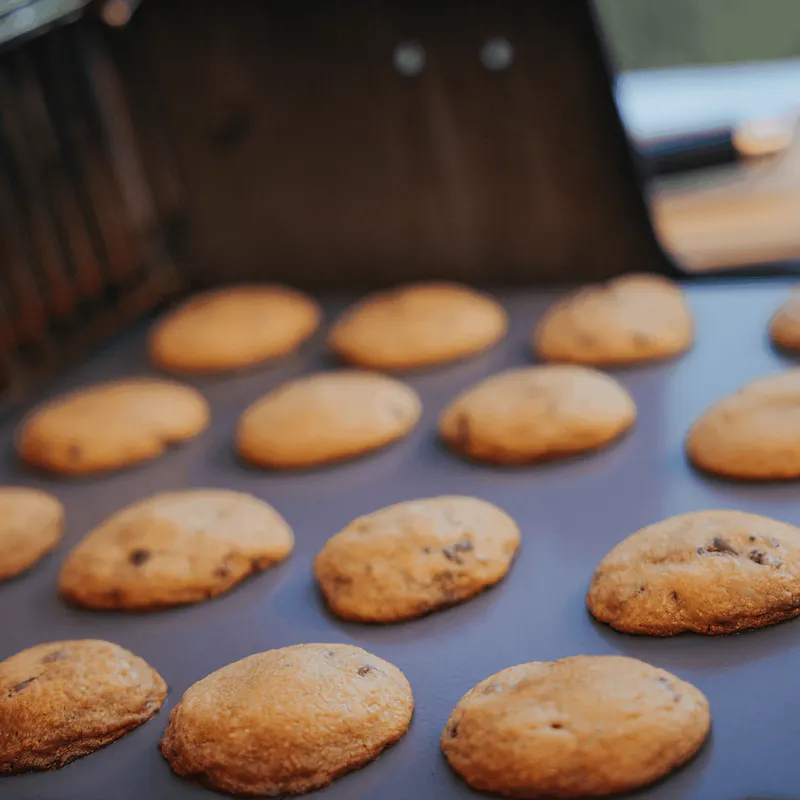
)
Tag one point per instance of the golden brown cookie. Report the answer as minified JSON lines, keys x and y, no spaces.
{"x":709,"y":572}
{"x":175,"y":548}
{"x":418,"y":325}
{"x":411,"y":558}
{"x":628,"y":320}
{"x":229,"y":328}
{"x":63,"y":700}
{"x":288,"y":721}
{"x":579,"y":727}
{"x":111,"y":425}
{"x":326,"y":417}
{"x":752,"y":434}
{"x":31,"y":525}
{"x":784,"y":327}
{"x":537,"y":413}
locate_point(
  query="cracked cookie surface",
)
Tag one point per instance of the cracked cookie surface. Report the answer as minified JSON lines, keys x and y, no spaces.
{"x":536,"y":414}
{"x":288,"y":720}
{"x":111,"y":425}
{"x":635,"y":318}
{"x":63,"y":700}
{"x":579,"y":727}
{"x":710,"y":572}
{"x":411,"y":558}
{"x":174,"y":548}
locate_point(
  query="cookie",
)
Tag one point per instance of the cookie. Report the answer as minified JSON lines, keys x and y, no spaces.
{"x":418,"y":325}
{"x":111,"y":425}
{"x":631,"y":319}
{"x":784,"y":327}
{"x":411,"y":558}
{"x":31,"y":525}
{"x":579,"y":727}
{"x":174,"y":548}
{"x":710,"y":572}
{"x":63,"y":700}
{"x":537,"y":413}
{"x":752,"y":434}
{"x":326,"y":417}
{"x":231,"y":328}
{"x":289,"y":720}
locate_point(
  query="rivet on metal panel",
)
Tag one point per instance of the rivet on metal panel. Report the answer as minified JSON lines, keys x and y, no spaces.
{"x":497,"y":54}
{"x":409,"y":59}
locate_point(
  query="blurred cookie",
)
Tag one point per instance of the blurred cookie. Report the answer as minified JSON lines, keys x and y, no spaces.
{"x":326,"y":417}
{"x":784,"y":327}
{"x":111,"y":425}
{"x":31,"y":525}
{"x":709,"y":572}
{"x":537,"y":413}
{"x":63,"y":700}
{"x":175,"y":548}
{"x":411,"y":558}
{"x":418,"y":325}
{"x":752,"y":434}
{"x":579,"y":727}
{"x":229,"y":328}
{"x":289,"y":720}
{"x":627,"y":320}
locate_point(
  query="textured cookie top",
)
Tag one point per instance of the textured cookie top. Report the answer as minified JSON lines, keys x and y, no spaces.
{"x":582,"y":726}
{"x":62,"y":700}
{"x":537,"y":413}
{"x":173,"y":548}
{"x":31,"y":524}
{"x":418,"y":325}
{"x":288,"y":720}
{"x":707,"y":571}
{"x":630,"y":319}
{"x":753,"y":433}
{"x":326,"y":417}
{"x":413,"y":557}
{"x":784,"y":327}
{"x":111,"y":425}
{"x":233,"y":327}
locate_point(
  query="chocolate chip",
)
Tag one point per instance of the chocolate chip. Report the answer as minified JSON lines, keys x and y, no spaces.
{"x":751,"y":538}
{"x":760,"y":557}
{"x":452,"y":731}
{"x":138,"y":557}
{"x":427,"y":550}
{"x":329,"y":653}
{"x":56,"y":655}
{"x":640,"y":590}
{"x":718,"y":545}
{"x":221,"y":572}
{"x":453,"y":552}
{"x":556,"y":726}
{"x":365,"y":670}
{"x":675,"y":596}
{"x":20,"y":686}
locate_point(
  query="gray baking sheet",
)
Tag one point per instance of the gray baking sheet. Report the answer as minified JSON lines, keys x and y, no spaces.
{"x":571,"y":514}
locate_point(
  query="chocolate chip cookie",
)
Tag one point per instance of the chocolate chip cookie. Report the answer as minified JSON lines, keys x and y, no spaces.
{"x":537,"y":413}
{"x":579,"y":727}
{"x":411,"y":558}
{"x":631,"y":319}
{"x":710,"y":572}
{"x":174,"y":548}
{"x":289,"y":720}
{"x":63,"y":700}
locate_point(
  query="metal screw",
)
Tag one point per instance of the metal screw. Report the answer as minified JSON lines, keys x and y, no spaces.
{"x":497,"y":54}
{"x":409,"y":59}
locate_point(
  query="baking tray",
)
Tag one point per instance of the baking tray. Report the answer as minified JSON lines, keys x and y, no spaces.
{"x":571,"y":514}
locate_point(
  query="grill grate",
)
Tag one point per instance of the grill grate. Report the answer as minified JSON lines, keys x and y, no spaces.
{"x":81,"y":250}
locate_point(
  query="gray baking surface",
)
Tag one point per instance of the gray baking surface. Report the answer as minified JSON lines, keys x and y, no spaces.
{"x":571,"y":514}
